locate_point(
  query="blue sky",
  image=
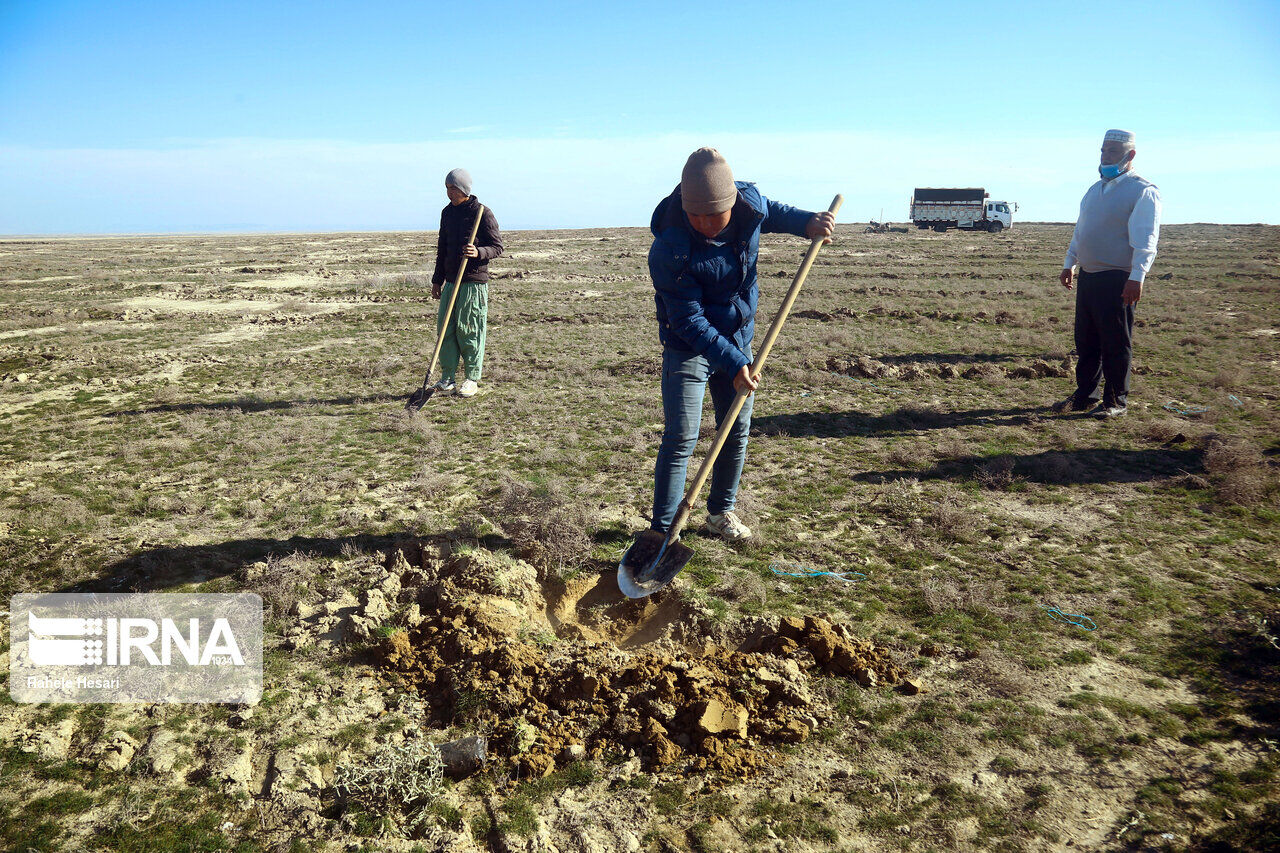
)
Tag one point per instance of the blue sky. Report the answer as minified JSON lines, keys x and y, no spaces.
{"x":153,"y":117}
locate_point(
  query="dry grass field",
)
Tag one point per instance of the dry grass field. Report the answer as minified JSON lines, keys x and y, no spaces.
{"x":224,"y":413}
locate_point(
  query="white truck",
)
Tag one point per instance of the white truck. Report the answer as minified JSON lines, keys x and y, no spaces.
{"x":969,"y":208}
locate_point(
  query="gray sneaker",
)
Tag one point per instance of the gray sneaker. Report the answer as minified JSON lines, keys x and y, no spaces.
{"x":728,"y":526}
{"x":445,"y":387}
{"x":1108,"y":412}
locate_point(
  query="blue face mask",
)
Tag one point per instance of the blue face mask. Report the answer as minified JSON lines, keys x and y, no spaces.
{"x":1114,"y":170}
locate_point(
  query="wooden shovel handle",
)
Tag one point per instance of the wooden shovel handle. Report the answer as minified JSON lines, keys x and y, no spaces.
{"x":453,"y":297}
{"x":686,"y":505}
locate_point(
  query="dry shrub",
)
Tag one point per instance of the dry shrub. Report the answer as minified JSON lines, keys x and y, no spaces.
{"x":900,"y":500}
{"x":952,"y":446}
{"x":547,"y":527}
{"x":1238,"y":472}
{"x":907,"y":455}
{"x":430,"y":483}
{"x":280,"y":581}
{"x":1164,"y":431}
{"x":997,"y":473}
{"x":1227,"y":377}
{"x":971,"y":595}
{"x":950,"y":521}
{"x":743,"y":586}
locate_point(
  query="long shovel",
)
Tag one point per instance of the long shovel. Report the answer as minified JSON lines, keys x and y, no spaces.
{"x":419,"y":398}
{"x":654,"y":559}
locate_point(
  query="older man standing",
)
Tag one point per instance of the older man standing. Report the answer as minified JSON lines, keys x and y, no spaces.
{"x":1114,"y":244}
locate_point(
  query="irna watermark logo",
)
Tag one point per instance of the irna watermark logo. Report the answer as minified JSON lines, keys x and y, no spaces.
{"x":147,"y":647}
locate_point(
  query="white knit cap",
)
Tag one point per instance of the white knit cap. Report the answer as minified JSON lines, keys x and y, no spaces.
{"x":1119,"y":136}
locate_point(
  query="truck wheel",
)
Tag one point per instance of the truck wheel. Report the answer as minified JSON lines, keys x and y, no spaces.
{"x":941,"y":229}
{"x":996,"y":227}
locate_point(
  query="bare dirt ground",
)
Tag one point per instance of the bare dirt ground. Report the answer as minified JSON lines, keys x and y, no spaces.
{"x":224,"y":413}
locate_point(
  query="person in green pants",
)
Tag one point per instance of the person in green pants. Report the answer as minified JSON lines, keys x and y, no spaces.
{"x":464,"y":337}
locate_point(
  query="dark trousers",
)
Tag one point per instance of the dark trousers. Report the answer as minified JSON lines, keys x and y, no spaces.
{"x":1104,"y":338}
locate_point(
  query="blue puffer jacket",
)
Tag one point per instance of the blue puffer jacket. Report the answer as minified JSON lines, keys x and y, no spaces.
{"x":706,"y":295}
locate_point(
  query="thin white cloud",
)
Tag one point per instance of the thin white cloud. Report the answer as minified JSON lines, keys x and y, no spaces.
{"x":580,"y":182}
{"x":474,"y":128}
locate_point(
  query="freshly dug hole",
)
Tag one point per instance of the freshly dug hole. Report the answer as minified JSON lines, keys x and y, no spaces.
{"x":590,"y":671}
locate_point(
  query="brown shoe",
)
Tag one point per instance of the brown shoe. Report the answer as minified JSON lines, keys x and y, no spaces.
{"x":1071,"y":405}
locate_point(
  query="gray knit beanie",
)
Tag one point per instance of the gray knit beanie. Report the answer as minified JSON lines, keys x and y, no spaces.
{"x":706,"y":184}
{"x":459,"y":178}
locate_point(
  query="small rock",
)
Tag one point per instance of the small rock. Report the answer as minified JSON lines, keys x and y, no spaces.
{"x":466,"y":756}
{"x":161,"y":754}
{"x":716,"y":717}
{"x":22,"y":377}
{"x":235,"y":772}
{"x":255,"y":572}
{"x":119,"y":752}
{"x":373,"y":606}
{"x":911,"y":686}
{"x":390,"y":586}
{"x":294,"y":772}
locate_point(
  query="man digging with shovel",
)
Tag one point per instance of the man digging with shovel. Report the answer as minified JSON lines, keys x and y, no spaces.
{"x":463,"y":333}
{"x":703,"y":265}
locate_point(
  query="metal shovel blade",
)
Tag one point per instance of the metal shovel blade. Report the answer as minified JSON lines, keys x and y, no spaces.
{"x":419,"y":398}
{"x":650,"y":564}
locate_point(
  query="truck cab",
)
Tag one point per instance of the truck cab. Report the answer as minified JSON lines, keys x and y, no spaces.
{"x":998,"y":217}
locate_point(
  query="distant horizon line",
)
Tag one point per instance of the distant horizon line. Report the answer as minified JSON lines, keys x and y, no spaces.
{"x":78,"y":235}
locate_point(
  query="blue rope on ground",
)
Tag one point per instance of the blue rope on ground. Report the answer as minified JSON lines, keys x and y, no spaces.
{"x":1076,"y":619}
{"x":1235,"y":401}
{"x":875,"y":385}
{"x":1179,"y":410}
{"x":806,"y":572}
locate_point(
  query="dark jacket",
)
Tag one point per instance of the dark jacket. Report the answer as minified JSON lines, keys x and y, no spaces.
{"x":455,"y":228}
{"x":706,"y":295}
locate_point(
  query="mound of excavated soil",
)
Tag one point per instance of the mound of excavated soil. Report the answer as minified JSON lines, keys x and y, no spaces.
{"x":557,"y":671}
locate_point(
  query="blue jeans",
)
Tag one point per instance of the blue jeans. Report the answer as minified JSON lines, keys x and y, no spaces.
{"x":685,"y":377}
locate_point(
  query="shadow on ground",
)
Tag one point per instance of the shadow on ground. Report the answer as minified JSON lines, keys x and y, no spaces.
{"x":905,"y":420}
{"x":1057,"y":467}
{"x":252,"y":404}
{"x":164,"y":567}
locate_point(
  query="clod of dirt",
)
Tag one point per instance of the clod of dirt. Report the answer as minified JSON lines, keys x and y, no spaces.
{"x":553,"y":669}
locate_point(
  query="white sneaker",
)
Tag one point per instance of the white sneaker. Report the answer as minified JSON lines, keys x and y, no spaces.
{"x":729,"y":526}
{"x":468,"y":388}
{"x":446,"y":386}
